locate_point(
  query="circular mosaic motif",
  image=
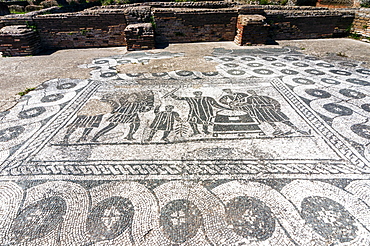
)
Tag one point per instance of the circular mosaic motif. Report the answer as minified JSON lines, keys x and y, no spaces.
{"x":226,"y":59}
{"x":269,"y":58}
{"x":278,"y":64}
{"x":108,"y":74}
{"x":254,"y":64}
{"x":352,"y":93}
{"x":289,"y":72}
{"x":311,"y":58}
{"x":291,"y":58}
{"x":134,"y":75}
{"x":358,"y":82}
{"x":318,"y":93}
{"x":180,"y":220}
{"x":10,"y":133}
{"x":330,"y":81}
{"x":338,"y":109}
{"x":361,"y":130}
{"x":329,"y":219}
{"x":66,"y":86}
{"x":110,"y":218}
{"x":52,"y":98}
{"x":159,"y":74}
{"x":184,"y":73}
{"x":231,"y":65}
{"x":101,"y":61}
{"x":340,"y":72}
{"x":248,"y":58}
{"x":322,"y":64}
{"x":364,"y":71}
{"x":263,"y":71}
{"x":366,"y":107}
{"x":300,"y":64}
{"x":236,"y":72}
{"x":303,"y":81}
{"x":250,"y":218}
{"x":39,"y":219}
{"x":210,"y":73}
{"x":32,"y":112}
{"x":314,"y":72}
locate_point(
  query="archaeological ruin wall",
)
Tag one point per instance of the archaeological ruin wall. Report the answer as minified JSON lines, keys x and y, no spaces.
{"x":82,"y":30}
{"x":195,"y":25}
{"x":308,"y":23}
{"x":361,"y":24}
{"x":109,"y":26}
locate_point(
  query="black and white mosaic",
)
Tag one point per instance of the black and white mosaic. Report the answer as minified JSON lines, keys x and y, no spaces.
{"x":270,"y":149}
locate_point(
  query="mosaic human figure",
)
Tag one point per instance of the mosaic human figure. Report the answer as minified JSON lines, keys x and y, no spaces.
{"x":83,"y":121}
{"x":127,"y":112}
{"x":164,"y":121}
{"x":89,"y":122}
{"x":268,"y":110}
{"x":232,"y":98}
{"x":200,"y":110}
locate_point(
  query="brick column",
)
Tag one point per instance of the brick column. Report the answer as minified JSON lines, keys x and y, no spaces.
{"x":19,"y":41}
{"x":140,"y":36}
{"x":251,"y":29}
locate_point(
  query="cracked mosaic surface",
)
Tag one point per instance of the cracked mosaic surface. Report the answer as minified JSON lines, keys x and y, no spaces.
{"x":270,"y":149}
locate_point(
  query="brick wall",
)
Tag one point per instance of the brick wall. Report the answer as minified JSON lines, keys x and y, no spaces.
{"x":185,"y":22}
{"x":83,"y":29}
{"x":18,"y":41}
{"x":200,"y":25}
{"x":337,"y":3}
{"x":251,"y":30}
{"x":287,"y":24}
{"x":361,"y":24}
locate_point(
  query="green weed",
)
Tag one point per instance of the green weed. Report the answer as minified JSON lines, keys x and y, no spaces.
{"x":22,"y":93}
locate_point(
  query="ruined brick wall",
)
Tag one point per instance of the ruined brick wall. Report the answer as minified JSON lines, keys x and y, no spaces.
{"x":180,"y":22}
{"x":18,"y":41}
{"x":306,"y":24}
{"x":361,"y":24}
{"x":82,"y":29}
{"x":337,"y":3}
{"x":251,"y":30}
{"x":195,"y":25}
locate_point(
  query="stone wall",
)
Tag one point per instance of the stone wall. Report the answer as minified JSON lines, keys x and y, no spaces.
{"x":306,"y":24}
{"x":18,"y":41}
{"x":337,"y":3}
{"x":195,"y":25}
{"x":83,"y":29}
{"x":251,"y":30}
{"x":185,"y":22}
{"x":361,"y":25}
{"x":140,"y":36}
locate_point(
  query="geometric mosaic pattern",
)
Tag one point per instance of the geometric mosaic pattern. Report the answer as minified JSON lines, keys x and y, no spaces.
{"x":273,"y":148}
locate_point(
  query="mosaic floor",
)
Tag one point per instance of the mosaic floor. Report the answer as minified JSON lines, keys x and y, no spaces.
{"x":273,"y":148}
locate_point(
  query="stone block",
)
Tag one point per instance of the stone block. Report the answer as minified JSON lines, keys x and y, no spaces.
{"x":19,"y":41}
{"x":251,"y":30}
{"x":140,"y":36}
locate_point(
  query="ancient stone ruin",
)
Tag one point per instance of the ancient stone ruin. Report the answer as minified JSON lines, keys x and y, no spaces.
{"x":145,"y":25}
